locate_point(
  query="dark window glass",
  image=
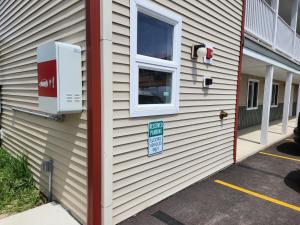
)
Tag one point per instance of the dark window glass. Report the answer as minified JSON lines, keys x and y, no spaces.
{"x":154,"y":37}
{"x":155,"y":87}
{"x":274,"y":94}
{"x":250,"y":95}
{"x":255,"y":94}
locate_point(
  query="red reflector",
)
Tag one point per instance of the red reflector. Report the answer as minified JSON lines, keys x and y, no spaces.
{"x":209,"y":53}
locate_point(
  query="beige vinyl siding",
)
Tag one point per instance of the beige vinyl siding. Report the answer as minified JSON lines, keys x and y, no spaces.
{"x":196,"y":143}
{"x":23,"y":26}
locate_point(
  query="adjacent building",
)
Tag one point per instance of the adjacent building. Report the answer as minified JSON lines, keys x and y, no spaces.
{"x":269,"y":83}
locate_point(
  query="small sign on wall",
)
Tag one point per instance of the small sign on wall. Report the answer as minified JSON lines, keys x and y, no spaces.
{"x":47,"y":79}
{"x":155,"y":137}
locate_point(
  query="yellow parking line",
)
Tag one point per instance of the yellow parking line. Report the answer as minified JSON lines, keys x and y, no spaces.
{"x":266,"y":198}
{"x":280,"y":156}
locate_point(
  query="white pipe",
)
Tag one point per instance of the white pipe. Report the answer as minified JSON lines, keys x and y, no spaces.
{"x":107,"y":111}
{"x":38,"y":113}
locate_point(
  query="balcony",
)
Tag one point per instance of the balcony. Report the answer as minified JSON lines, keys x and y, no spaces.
{"x":297,"y":48}
{"x":260,"y":20}
{"x":271,"y":25}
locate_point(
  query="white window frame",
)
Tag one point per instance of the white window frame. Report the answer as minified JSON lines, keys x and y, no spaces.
{"x":145,"y":62}
{"x":253,"y":108}
{"x":275,"y":84}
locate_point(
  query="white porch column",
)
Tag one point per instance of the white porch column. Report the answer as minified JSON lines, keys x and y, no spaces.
{"x":286,"y":103}
{"x":266,"y":105}
{"x":298,"y":102}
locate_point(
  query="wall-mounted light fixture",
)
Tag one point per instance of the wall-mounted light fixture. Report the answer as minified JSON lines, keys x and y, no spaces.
{"x":204,"y":52}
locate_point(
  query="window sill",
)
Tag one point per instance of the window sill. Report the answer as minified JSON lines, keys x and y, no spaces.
{"x":255,"y":108}
{"x":154,"y":110}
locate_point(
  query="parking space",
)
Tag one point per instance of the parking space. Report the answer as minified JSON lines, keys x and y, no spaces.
{"x":263,"y":189}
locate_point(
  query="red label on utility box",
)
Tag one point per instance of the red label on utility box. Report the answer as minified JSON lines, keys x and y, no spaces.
{"x":47,"y":79}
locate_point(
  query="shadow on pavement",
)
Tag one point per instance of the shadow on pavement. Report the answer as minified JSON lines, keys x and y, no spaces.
{"x":290,"y":148}
{"x":292,"y":180}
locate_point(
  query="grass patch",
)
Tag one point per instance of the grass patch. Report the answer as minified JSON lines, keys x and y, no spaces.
{"x":17,"y":190}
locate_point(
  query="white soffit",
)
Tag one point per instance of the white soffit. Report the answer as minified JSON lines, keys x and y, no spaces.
{"x":269,"y":61}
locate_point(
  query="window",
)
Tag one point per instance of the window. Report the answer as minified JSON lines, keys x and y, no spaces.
{"x":252,"y":100}
{"x":155,"y":46}
{"x":154,"y":87}
{"x":155,"y":37}
{"x":274,"y":100}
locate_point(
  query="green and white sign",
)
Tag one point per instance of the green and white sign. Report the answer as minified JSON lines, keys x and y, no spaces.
{"x":155,"y":137}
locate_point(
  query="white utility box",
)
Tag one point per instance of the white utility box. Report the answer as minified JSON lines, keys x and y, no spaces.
{"x":59,"y":78}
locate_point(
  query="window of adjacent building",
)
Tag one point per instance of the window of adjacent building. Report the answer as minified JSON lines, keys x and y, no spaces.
{"x":154,"y":59}
{"x":252,"y":99}
{"x":274,"y":99}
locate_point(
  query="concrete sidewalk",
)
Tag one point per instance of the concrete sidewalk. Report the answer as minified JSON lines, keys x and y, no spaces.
{"x":248,"y":142}
{"x":48,"y":214}
{"x":262,"y":190}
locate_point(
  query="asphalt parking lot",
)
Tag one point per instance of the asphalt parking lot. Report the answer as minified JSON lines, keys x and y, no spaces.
{"x":263,"y":189}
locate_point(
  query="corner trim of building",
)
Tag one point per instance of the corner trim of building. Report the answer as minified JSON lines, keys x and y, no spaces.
{"x":93,"y":111}
{"x":238,"y":82}
{"x":107,"y":112}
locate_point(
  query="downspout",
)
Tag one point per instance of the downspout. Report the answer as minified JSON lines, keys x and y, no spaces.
{"x":107,"y":112}
{"x":236,"y":125}
{"x":93,"y":111}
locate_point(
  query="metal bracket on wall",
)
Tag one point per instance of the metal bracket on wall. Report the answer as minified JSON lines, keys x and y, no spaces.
{"x":40,"y":114}
{"x":47,"y":166}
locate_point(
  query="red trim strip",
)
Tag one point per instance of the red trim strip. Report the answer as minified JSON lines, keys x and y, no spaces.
{"x":238,"y":83}
{"x":93,"y":111}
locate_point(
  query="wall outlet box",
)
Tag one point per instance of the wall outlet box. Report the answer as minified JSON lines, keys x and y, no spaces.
{"x":207,"y":81}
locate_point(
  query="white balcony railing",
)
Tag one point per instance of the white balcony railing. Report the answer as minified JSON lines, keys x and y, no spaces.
{"x":260,"y":20}
{"x":284,"y":37}
{"x":297,"y":48}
